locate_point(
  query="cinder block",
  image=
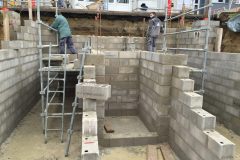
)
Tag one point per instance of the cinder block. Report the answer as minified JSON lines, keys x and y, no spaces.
{"x":191,"y":99}
{"x":90,"y":150}
{"x":181,"y":71}
{"x":128,"y":54}
{"x":93,"y":91}
{"x":89,"y":124}
{"x":76,"y":64}
{"x":165,"y":70}
{"x":89,"y":105}
{"x":202,"y":119}
{"x":89,"y":72}
{"x":72,"y":57}
{"x":89,"y":80}
{"x":183,"y":84}
{"x":111,"y":54}
{"x":101,"y":109}
{"x":219,"y":145}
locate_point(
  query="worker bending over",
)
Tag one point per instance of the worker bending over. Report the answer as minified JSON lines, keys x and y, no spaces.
{"x":61,"y":24}
{"x":153,"y":31}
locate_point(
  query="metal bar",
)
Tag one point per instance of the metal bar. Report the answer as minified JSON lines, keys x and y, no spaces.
{"x":165,"y":32}
{"x":206,"y":47}
{"x":187,"y":12}
{"x":64,"y":85}
{"x":49,"y":83}
{"x":187,"y":49}
{"x":46,"y":46}
{"x":40,"y":62}
{"x":64,"y":114}
{"x":56,"y":5}
{"x":46,"y":25}
{"x":186,"y":31}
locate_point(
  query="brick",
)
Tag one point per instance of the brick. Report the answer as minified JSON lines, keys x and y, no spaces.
{"x":93,"y":91}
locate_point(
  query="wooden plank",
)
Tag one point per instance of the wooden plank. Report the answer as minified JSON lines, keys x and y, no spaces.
{"x":167,"y":152}
{"x":159,"y":153}
{"x":108,"y":127}
{"x":152,"y":152}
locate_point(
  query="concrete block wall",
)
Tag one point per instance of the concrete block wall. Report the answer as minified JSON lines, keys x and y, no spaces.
{"x":221,"y":96}
{"x":119,"y":43}
{"x":19,"y":76}
{"x":121,"y":72}
{"x":197,"y":39}
{"x":155,"y":84}
{"x":192,"y":129}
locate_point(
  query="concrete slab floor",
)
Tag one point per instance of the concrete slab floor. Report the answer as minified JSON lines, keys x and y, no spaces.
{"x":27,"y":143}
{"x":127,"y":124}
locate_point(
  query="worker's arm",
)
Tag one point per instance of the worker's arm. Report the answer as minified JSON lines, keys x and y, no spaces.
{"x":55,"y":24}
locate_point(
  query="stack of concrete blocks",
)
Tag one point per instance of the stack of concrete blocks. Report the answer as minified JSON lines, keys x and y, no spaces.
{"x":197,"y":39}
{"x":18,"y":76}
{"x":155,"y":84}
{"x":192,"y":129}
{"x":122,"y":74}
{"x":93,"y":116}
{"x":221,"y":96}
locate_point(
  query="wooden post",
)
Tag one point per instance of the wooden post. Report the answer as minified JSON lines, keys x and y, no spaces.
{"x":218,"y":42}
{"x":6,"y":26}
{"x":206,"y":9}
{"x":30,"y":9}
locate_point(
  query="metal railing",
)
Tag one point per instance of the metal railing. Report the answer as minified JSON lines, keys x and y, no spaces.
{"x":202,"y":29}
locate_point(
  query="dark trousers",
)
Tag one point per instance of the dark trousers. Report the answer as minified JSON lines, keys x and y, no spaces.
{"x":67,"y":41}
{"x":151,"y":44}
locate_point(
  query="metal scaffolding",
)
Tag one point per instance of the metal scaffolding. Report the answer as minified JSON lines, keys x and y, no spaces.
{"x":54,"y":80}
{"x":206,"y":29}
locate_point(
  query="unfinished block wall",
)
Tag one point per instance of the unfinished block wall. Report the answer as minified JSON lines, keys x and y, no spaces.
{"x":119,"y":43}
{"x":197,"y":39}
{"x":19,"y":78}
{"x":221,"y":96}
{"x":192,"y":129}
{"x":155,"y":84}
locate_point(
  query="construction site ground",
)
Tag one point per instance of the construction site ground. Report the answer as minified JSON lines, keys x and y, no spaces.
{"x":27,"y":143}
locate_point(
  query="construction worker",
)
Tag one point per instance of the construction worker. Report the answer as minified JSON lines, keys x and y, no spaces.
{"x":61,"y":24}
{"x":61,"y":4}
{"x":153,"y":32}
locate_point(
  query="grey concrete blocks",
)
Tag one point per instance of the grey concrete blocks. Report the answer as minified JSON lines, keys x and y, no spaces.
{"x":89,"y":123}
{"x":191,"y":99}
{"x":220,"y":146}
{"x":90,"y":150}
{"x":89,"y":72}
{"x":89,"y":105}
{"x":93,"y":91}
{"x":181,"y":71}
{"x":202,"y":119}
{"x":183,"y":84}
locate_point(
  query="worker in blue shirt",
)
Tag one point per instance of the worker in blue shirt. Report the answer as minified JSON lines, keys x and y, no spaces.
{"x":61,"y":24}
